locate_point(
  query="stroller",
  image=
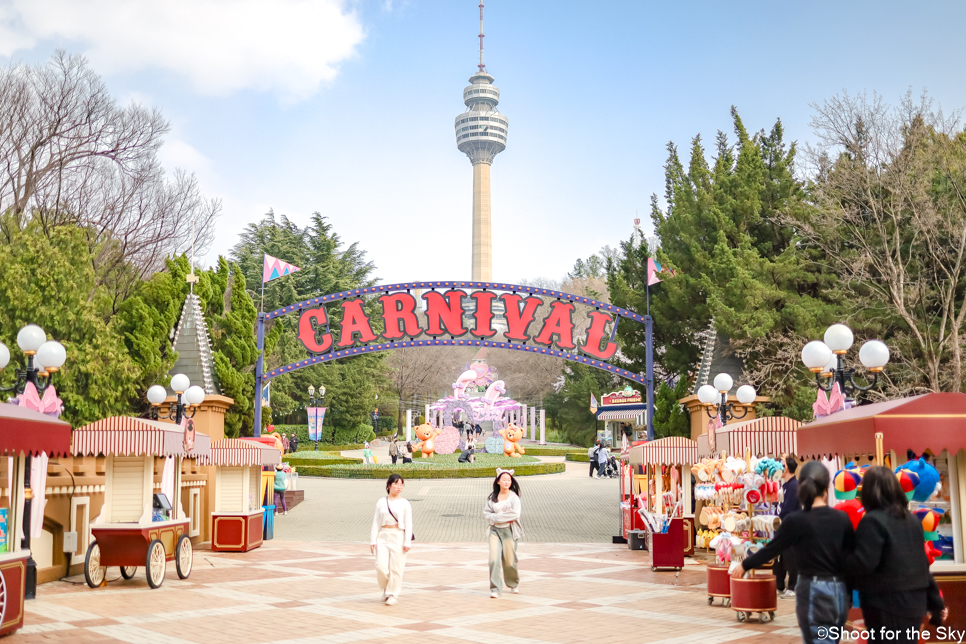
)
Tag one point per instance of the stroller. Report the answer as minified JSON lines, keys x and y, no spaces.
{"x":611,"y":469}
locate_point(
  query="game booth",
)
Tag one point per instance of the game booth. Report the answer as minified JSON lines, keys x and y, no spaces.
{"x":657,"y":477}
{"x":925,"y":437}
{"x":138,"y":526}
{"x":237,"y":520}
{"x":738,"y":495}
{"x":23,"y":432}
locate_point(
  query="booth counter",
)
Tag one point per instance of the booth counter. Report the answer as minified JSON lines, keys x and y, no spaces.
{"x":237,"y":520}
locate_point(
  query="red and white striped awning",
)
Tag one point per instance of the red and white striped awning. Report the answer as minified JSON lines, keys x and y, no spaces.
{"x":620,"y":414}
{"x":674,"y":450}
{"x":129,"y":436}
{"x":768,"y":436}
{"x":233,"y":452}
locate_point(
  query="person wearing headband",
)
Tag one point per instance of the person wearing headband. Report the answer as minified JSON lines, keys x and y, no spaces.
{"x":502,"y":512}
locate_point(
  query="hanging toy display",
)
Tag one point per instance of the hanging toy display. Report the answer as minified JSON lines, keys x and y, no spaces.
{"x":908,"y":481}
{"x":928,"y":479}
{"x":846,"y":484}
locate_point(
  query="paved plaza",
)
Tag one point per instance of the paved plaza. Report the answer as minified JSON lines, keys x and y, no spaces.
{"x":293,"y":592}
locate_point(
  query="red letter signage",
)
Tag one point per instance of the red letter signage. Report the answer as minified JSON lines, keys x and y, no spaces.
{"x":595,"y":334}
{"x":399,"y":308}
{"x":559,"y":323}
{"x":484,"y":314}
{"x":449,"y":314}
{"x":517,"y":320}
{"x":307,"y":330}
{"x":354,"y":320}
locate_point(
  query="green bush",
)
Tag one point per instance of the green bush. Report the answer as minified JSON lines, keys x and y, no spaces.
{"x":358,"y":435}
{"x":301,"y":459}
{"x":548,"y":450}
{"x":328,"y":447}
{"x":578,"y":458}
{"x":419,"y":471}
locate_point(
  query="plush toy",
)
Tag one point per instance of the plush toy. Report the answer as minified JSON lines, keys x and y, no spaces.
{"x":929,"y":479}
{"x":932,"y":552}
{"x":846,"y":484}
{"x":853,"y":508}
{"x":703,"y":471}
{"x":426,"y":433}
{"x":908,"y":481}
{"x":931,"y":518}
{"x":512,"y":435}
{"x":733,"y":468}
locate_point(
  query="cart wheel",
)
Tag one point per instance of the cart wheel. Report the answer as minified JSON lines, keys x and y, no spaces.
{"x":184,"y":557}
{"x":154,"y":567}
{"x":94,"y":572}
{"x":764,"y":617}
{"x":727,"y":602}
{"x":741,"y":616}
{"x":771,"y":616}
{"x":710,"y":600}
{"x":653,"y":568}
{"x":128,"y":571}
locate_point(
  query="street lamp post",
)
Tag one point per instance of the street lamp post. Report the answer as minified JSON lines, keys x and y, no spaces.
{"x":717,"y":397}
{"x":188,"y":398}
{"x":315,"y":403}
{"x":44,"y":358}
{"x":827,"y":360}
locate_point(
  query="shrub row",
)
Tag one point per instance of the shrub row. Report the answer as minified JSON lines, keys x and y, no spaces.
{"x":578,"y":458}
{"x":329,"y":459}
{"x":309,"y":446}
{"x":549,"y":450}
{"x":421,"y":472}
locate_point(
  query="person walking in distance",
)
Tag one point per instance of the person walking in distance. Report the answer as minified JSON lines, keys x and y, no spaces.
{"x":407,"y":453}
{"x":285,"y":443}
{"x":279,"y":485}
{"x":502,"y":512}
{"x":822,"y":539}
{"x":786,"y":562}
{"x":603,"y":457}
{"x":366,"y":454}
{"x":592,"y":456}
{"x":889,"y":567}
{"x":393,"y":449}
{"x":294,"y":442}
{"x":391,"y":538}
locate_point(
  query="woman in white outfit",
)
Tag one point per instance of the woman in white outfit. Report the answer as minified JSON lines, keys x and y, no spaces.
{"x":392,"y":534}
{"x":502,"y":512}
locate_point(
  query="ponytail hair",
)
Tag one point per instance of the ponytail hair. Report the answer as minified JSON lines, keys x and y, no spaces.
{"x":813,"y":482}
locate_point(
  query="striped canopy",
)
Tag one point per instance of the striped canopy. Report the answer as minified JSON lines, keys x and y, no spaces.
{"x":620,"y":412}
{"x":234,"y":452}
{"x":129,"y":436}
{"x":768,"y":436}
{"x":25,"y":431}
{"x":674,"y":450}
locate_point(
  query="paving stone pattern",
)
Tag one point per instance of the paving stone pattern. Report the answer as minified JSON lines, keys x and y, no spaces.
{"x":290,"y":592}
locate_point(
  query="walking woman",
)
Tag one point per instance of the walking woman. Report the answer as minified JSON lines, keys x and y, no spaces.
{"x":279,"y":486}
{"x":392,"y":534}
{"x":366,"y":454}
{"x":889,"y":566}
{"x":821,"y":539}
{"x":502,"y":513}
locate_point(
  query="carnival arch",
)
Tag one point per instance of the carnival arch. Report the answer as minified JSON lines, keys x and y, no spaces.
{"x":445,"y":326}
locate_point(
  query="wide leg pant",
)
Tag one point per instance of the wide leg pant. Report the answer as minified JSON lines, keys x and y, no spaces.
{"x":390,"y":560}
{"x":503,"y":554}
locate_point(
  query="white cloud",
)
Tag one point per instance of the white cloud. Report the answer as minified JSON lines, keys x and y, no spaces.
{"x":289,"y":47}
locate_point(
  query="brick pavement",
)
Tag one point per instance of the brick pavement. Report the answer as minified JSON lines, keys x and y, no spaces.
{"x":290,"y":592}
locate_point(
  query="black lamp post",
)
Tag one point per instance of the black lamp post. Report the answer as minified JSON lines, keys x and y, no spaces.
{"x":716,"y":398}
{"x":315,"y":403}
{"x":375,"y":418}
{"x":188,"y":398}
{"x":827,"y":360}
{"x":44,"y":358}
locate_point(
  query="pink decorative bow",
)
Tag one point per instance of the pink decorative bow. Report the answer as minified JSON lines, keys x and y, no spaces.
{"x":824,"y":406}
{"x":713,"y":425}
{"x":50,"y":404}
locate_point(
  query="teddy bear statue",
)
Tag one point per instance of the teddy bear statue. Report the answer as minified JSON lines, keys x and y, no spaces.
{"x":426,"y":433}
{"x":511,"y":438}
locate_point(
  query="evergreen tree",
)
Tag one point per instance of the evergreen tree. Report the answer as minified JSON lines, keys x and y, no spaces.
{"x":670,"y":418}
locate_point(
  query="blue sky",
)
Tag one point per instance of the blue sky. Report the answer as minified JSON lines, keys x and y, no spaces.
{"x":347,"y":108}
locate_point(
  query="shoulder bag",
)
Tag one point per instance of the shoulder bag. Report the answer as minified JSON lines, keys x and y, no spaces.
{"x":389,"y":507}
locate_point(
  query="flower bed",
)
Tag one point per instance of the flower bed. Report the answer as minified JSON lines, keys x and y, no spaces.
{"x":442,"y":466}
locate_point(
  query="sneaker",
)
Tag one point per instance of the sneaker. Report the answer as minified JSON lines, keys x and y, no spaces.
{"x":391,"y":600}
{"x":286,"y":512}
{"x":515,"y":591}
{"x":788,"y":594}
{"x":494,"y":594}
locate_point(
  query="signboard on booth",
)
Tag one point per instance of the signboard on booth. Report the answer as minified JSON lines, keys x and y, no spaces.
{"x":627,"y":396}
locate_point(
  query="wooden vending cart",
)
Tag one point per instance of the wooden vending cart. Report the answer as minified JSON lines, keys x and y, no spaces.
{"x":236,"y":523}
{"x":932,"y":424}
{"x":23,"y":432}
{"x":136,"y":527}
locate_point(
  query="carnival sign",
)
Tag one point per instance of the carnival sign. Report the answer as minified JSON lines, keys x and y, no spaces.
{"x":626,"y":397}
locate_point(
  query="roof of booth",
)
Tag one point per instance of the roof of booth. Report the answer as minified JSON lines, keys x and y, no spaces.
{"x":129,"y":436}
{"x":673,"y":450}
{"x":766,"y":436}
{"x":934,"y":421}
{"x":25,"y":431}
{"x":620,"y":412}
{"x":234,"y":452}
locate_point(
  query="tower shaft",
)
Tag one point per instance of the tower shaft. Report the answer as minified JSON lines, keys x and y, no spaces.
{"x":482,"y":247}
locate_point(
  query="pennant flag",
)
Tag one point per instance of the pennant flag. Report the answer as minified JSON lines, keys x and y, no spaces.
{"x":316,"y":416}
{"x":275,"y":267}
{"x":653,"y":268}
{"x":593,"y":404}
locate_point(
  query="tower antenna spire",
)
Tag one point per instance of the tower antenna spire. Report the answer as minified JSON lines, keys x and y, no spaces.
{"x":481,"y":65}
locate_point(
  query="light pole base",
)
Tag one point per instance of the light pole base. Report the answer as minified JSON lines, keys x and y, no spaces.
{"x":30,"y":579}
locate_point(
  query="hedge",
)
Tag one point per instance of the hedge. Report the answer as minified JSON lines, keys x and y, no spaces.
{"x":579,"y":458}
{"x":327,"y":447}
{"x":549,"y":450}
{"x":413,"y":471}
{"x":319,"y":458}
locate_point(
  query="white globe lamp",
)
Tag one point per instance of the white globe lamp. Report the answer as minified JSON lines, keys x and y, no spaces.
{"x":4,"y":356}
{"x":874,"y":355}
{"x":723,"y":382}
{"x":156,"y":394}
{"x":832,"y":365}
{"x":30,"y":338}
{"x":707,"y":394}
{"x":816,"y":355}
{"x":52,"y":355}
{"x":746,"y":394}
{"x":195,"y":395}
{"x":180,"y":383}
{"x":839,"y":338}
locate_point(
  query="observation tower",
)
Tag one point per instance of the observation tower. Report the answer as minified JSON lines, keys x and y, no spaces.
{"x":481,"y":133}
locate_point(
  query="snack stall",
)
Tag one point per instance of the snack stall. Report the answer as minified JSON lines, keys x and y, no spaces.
{"x":620,"y":409}
{"x":661,"y":485}
{"x":898,"y":433}
{"x":237,"y":521}
{"x":138,"y":527}
{"x":23,"y":432}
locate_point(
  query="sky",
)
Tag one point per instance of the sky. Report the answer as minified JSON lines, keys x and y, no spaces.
{"x":346,"y":107}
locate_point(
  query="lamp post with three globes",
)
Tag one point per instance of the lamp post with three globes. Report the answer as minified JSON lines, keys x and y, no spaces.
{"x":717,"y":397}
{"x":827,"y":360}
{"x":185,"y":406}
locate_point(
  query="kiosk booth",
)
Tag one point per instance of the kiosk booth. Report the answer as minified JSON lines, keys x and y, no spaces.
{"x":933,"y":425}
{"x":236,"y":522}
{"x":23,"y":432}
{"x":620,"y":409}
{"x":138,"y":527}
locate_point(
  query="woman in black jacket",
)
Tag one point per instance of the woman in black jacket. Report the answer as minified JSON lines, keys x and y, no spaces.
{"x":889,"y":566}
{"x":820,"y":538}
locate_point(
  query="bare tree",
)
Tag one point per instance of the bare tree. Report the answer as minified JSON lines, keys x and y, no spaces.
{"x":424,"y":371}
{"x":69,"y":155}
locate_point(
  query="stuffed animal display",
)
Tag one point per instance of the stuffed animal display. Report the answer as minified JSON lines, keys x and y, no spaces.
{"x":854,"y":509}
{"x":929,"y":479}
{"x":846,"y":484}
{"x":426,"y":433}
{"x":908,"y":481}
{"x":512,"y":435}
{"x":931,"y":518}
